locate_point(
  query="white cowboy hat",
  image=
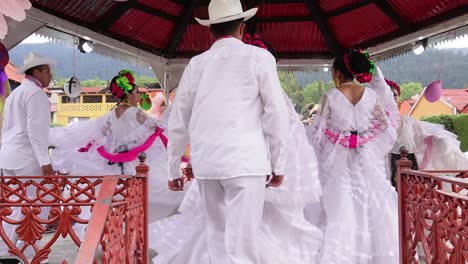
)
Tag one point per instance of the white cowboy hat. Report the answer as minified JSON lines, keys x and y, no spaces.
{"x":32,"y":60}
{"x":220,"y":11}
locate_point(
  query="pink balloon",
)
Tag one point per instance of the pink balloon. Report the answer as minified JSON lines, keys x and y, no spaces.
{"x":433,"y":91}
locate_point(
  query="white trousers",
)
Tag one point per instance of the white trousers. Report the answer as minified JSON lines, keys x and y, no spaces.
{"x":233,"y":208}
{"x":10,"y":230}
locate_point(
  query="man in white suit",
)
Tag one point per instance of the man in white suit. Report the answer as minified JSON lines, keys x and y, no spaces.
{"x":25,"y":133}
{"x":231,"y":110}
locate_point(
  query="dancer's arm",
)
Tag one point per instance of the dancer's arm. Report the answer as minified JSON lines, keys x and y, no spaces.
{"x":275,"y":117}
{"x":178,"y":125}
{"x":38,"y":126}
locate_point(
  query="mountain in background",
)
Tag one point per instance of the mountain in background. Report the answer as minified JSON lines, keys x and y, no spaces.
{"x":88,"y":65}
{"x":450,"y":64}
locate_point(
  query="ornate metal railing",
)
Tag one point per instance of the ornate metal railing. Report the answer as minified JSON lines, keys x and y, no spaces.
{"x":433,"y":211}
{"x":118,"y":222}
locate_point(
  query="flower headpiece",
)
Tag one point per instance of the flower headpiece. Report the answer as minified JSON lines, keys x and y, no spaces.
{"x":363,"y":77}
{"x":124,"y":83}
{"x":393,"y":85}
{"x":256,"y":40}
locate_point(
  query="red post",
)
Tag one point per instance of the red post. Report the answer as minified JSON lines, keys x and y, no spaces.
{"x":142,"y":171}
{"x":402,"y":184}
{"x":98,"y":221}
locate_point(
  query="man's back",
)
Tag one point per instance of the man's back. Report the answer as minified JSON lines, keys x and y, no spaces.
{"x":226,"y":126}
{"x":23,"y":108}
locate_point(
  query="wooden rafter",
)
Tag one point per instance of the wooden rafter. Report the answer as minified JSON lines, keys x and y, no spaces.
{"x":321,"y":22}
{"x":251,"y":24}
{"x":393,"y":15}
{"x":111,"y":18}
{"x":154,"y":12}
{"x":181,"y":27}
{"x":347,"y":8}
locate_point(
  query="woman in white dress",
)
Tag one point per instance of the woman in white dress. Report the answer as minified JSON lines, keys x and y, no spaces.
{"x":110,"y":145}
{"x":284,"y":237}
{"x":353,"y":132}
{"x":429,"y":145}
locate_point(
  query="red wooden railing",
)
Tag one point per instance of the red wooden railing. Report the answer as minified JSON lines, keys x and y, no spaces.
{"x":433,"y":211}
{"x":118,"y":222}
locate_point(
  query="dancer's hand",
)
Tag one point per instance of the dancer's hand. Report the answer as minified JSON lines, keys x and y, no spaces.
{"x":47,"y":170}
{"x":176,"y":184}
{"x":276,"y":181}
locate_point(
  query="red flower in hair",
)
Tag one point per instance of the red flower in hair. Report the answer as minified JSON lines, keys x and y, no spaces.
{"x":364,"y":77}
{"x":130,"y":78}
{"x":254,"y":40}
{"x":393,"y":85}
{"x":116,"y":90}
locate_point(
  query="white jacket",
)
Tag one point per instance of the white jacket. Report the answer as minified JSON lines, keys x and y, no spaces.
{"x":25,"y":130}
{"x":230,"y":108}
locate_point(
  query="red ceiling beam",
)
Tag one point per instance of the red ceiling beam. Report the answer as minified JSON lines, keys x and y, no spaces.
{"x":317,"y":15}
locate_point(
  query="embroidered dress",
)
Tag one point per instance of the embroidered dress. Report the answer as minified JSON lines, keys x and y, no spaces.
{"x":360,"y":214}
{"x":110,"y":144}
{"x":284,"y":236}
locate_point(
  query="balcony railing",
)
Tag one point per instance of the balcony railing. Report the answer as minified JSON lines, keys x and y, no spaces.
{"x":433,"y":210}
{"x":118,"y":223}
{"x":72,"y":109}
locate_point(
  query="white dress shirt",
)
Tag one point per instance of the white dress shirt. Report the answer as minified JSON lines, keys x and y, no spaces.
{"x":230,"y":108}
{"x":25,"y":131}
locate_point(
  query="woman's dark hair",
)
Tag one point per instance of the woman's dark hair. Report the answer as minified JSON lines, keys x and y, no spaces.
{"x":352,"y":63}
{"x":226,"y":28}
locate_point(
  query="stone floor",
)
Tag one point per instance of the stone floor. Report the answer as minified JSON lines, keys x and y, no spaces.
{"x":65,"y":249}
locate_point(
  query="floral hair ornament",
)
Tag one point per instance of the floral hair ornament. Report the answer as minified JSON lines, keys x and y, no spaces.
{"x":363,"y":77}
{"x":254,"y":40}
{"x":394,"y":85}
{"x":124,"y":83}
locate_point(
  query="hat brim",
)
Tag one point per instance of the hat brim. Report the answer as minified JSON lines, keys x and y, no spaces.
{"x":245,"y":15}
{"x":34,"y":63}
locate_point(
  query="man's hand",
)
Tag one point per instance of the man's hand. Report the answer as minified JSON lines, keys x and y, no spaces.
{"x":276,"y":180}
{"x":47,"y":170}
{"x":176,"y":184}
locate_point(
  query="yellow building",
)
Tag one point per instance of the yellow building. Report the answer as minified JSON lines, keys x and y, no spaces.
{"x":92,"y":103}
{"x":453,"y":101}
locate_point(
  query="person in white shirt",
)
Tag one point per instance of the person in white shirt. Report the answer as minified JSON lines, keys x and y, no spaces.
{"x":25,"y":133}
{"x":231,"y":109}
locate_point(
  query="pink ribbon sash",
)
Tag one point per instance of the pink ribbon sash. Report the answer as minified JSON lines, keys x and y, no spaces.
{"x":131,"y":154}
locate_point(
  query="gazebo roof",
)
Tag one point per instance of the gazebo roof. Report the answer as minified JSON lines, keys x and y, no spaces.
{"x":297,"y":29}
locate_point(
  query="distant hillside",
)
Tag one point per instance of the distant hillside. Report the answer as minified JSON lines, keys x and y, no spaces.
{"x":452,"y":65}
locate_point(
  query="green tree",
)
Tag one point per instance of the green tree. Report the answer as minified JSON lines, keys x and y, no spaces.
{"x":144,"y":80}
{"x":93,"y":83}
{"x":292,"y":88}
{"x":409,"y":89}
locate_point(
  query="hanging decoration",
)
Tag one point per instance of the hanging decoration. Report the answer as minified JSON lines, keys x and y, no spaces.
{"x":433,"y":91}
{"x":72,"y":87}
{"x":15,"y":9}
{"x":145,"y":102}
